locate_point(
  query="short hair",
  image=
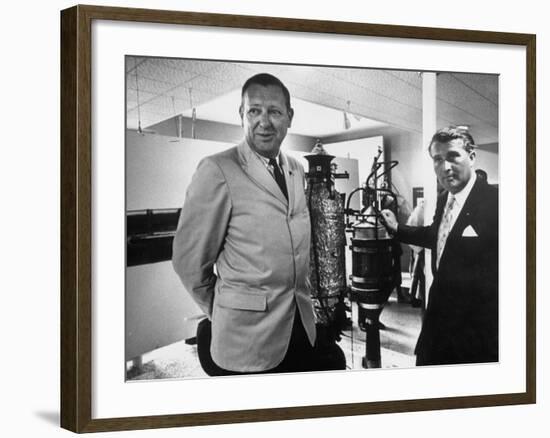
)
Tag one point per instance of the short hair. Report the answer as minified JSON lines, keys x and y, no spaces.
{"x":450,"y":133}
{"x":265,"y":79}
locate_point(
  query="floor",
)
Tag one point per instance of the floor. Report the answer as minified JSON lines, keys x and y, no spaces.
{"x":397,"y":340}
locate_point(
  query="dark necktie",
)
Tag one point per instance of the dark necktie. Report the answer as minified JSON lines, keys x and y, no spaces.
{"x":279,"y":177}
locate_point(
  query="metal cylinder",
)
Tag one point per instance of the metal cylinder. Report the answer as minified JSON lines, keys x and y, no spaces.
{"x":372,"y":358}
{"x":327,"y":258}
{"x":327,"y":263}
{"x":328,"y":240}
{"x":372,"y":262}
{"x":372,"y":280}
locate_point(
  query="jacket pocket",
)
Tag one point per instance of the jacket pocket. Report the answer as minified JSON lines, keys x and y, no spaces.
{"x":242,"y":301}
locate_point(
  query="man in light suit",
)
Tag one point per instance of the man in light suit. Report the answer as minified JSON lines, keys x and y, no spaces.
{"x":245,"y":214}
{"x":461,"y":320}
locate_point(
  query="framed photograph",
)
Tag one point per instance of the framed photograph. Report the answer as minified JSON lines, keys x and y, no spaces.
{"x":161,"y":111}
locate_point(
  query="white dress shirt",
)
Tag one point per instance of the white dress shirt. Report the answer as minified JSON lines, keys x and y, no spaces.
{"x":460,"y":198}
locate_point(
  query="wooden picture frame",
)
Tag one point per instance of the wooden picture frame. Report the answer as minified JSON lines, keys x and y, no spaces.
{"x":76,"y":218}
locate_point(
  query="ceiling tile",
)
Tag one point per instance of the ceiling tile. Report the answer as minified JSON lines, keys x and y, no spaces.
{"x":389,"y":96}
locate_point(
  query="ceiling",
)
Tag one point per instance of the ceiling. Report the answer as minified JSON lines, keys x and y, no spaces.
{"x":161,"y":88}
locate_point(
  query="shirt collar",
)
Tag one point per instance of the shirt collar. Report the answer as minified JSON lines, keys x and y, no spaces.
{"x":265,"y":160}
{"x":461,"y":196}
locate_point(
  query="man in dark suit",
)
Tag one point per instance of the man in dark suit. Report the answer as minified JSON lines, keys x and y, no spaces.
{"x":461,"y":320}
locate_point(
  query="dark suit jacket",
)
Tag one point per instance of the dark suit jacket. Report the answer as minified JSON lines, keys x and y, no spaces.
{"x":461,"y":320}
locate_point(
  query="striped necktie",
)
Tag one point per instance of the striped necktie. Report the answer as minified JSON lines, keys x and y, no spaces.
{"x":279,"y":177}
{"x":445,"y":227}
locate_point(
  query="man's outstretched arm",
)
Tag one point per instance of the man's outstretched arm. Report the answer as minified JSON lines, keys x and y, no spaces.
{"x":420,"y":236}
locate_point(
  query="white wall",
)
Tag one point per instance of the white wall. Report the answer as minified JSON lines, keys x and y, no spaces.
{"x":159,"y":311}
{"x":159,"y":168}
{"x":406,"y":148}
{"x":29,"y":179}
{"x":488,"y":161}
{"x":364,"y":150}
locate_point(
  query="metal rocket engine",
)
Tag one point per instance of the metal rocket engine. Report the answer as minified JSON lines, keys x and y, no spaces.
{"x":376,"y":268}
{"x":328,"y":265}
{"x":375,"y":254}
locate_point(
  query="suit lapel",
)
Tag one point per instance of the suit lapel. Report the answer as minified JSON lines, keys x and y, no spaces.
{"x":462,"y":221}
{"x":440,"y":206}
{"x":465,"y":217}
{"x":257,"y":171}
{"x":290,"y":177}
{"x":441,"y":202}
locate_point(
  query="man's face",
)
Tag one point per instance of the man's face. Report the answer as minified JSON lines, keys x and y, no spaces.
{"x":265,"y":118}
{"x":452,"y":164}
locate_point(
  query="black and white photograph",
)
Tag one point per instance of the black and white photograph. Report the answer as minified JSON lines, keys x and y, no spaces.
{"x":270,"y":218}
{"x":275,"y":219}
{"x":288,"y":218}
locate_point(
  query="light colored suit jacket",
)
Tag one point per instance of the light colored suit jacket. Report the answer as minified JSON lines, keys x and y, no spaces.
{"x":236,"y":218}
